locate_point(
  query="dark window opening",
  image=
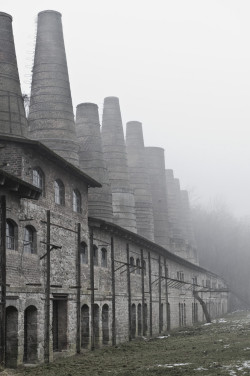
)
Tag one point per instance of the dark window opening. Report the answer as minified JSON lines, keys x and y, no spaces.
{"x":59,"y":192}
{"x":83,"y":253}
{"x":11,"y":235}
{"x":104,"y":257}
{"x":29,"y":239}
{"x":76,"y":201}
{"x":96,"y":324}
{"x":138,"y":266}
{"x":38,"y":179}
{"x":95,"y":255}
{"x":132,"y":264}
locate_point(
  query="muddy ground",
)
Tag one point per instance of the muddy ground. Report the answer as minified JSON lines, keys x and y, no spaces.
{"x":221,"y":348}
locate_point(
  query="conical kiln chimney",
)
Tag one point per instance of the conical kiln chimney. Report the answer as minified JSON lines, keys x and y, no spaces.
{"x":139,"y":180}
{"x":92,"y":161}
{"x":115,"y":155}
{"x":156,"y":170}
{"x":51,"y":117}
{"x":12,"y":114}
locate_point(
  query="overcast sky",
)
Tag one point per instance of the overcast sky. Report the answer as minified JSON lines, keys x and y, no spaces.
{"x":181,"y":67}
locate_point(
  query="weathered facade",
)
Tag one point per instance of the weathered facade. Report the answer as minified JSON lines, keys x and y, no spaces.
{"x":77,"y":270}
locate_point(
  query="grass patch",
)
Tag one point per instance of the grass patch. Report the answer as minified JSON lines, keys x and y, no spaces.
{"x":222,"y":348}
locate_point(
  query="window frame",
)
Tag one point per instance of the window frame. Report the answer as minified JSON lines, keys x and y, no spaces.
{"x":59,"y":192}
{"x":77,"y":201}
{"x":31,"y":246}
{"x":13,"y":237}
{"x":84,"y":259}
{"x":38,"y":180}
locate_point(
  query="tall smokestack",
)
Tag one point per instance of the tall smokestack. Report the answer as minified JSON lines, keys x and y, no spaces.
{"x":188,"y":227}
{"x":115,"y":155}
{"x":12,"y":114}
{"x":51,"y":117}
{"x":156,"y":170}
{"x":174,"y":204}
{"x":92,"y":161}
{"x":139,"y":180}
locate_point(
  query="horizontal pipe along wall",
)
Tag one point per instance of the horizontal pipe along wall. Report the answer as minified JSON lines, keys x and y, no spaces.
{"x":51,"y":118}
{"x":115,"y":155}
{"x":92,"y":161}
{"x":12,"y":114}
{"x":139,"y":180}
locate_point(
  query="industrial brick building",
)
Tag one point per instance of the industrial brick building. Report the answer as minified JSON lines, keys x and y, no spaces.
{"x":96,"y":237}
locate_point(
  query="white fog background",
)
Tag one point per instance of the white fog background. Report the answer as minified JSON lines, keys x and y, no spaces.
{"x":181,"y":67}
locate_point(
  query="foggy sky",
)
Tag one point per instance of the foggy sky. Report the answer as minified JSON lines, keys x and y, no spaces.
{"x":181,"y":67}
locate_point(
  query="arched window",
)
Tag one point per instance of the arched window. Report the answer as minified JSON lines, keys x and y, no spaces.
{"x":29,"y":239}
{"x":59,"y":192}
{"x":138,"y":266}
{"x":144,"y":269}
{"x":83,"y":253}
{"x":95,"y":255}
{"x":38,"y":178}
{"x":11,"y":234}
{"x":132,"y":264}
{"x":104,"y":257}
{"x":76,"y":201}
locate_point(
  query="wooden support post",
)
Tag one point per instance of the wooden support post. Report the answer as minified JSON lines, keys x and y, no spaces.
{"x":143,"y":294}
{"x":150,"y":296}
{"x":129,"y":295}
{"x":3,"y":280}
{"x":159,"y":293}
{"x":47,"y":295}
{"x":78,"y":291}
{"x":92,"y":289}
{"x":113,"y":292}
{"x":166,"y":294}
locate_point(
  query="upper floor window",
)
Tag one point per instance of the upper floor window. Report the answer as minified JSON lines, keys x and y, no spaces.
{"x":180,"y":276}
{"x":132,"y":264}
{"x":38,"y":178}
{"x":11,"y":234}
{"x":29,"y":239}
{"x":104,"y":258}
{"x":83,"y":253}
{"x":95,"y":255}
{"x":59,"y":192}
{"x":76,"y":201}
{"x":138,"y":266}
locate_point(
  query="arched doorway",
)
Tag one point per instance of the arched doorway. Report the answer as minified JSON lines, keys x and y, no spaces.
{"x":96,"y":323}
{"x":133,"y":321}
{"x":30,"y":334}
{"x":145,"y":319}
{"x":84,"y":326}
{"x":105,"y":324}
{"x":139,"y":319}
{"x":11,"y":337}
